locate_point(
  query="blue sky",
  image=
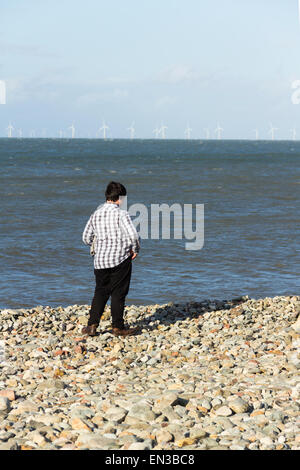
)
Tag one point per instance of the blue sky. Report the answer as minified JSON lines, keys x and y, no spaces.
{"x":171,"y":61}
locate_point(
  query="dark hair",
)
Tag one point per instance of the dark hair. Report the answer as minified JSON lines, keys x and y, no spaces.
{"x":114,"y":191}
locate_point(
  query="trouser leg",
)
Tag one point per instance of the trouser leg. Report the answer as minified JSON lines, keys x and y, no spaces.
{"x":120,"y":282}
{"x":101,"y":296}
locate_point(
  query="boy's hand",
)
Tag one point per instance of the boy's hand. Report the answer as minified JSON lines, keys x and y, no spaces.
{"x":133,"y":255}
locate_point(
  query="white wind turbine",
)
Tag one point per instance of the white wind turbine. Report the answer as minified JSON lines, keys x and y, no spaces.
{"x":60,"y":133}
{"x":187,"y":132}
{"x":9,"y":129}
{"x":73,"y":130}
{"x":163,"y":131}
{"x":132,"y":131}
{"x":156,"y":132}
{"x":218,"y":131}
{"x":32,"y":133}
{"x":294,"y":133}
{"x":104,"y":128}
{"x":272,"y":131}
{"x":256,"y":134}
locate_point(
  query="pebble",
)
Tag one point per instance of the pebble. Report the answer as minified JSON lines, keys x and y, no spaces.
{"x":224,"y":411}
{"x":213,"y":374}
{"x":238,"y":405}
{"x":142,"y":412}
{"x":163,"y":436}
{"x":4,"y":404}
{"x":10,"y":394}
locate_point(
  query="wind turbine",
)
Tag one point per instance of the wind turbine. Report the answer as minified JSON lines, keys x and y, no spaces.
{"x":207,"y":133}
{"x":294,"y":132}
{"x":187,"y":132}
{"x":10,"y":128}
{"x":20,"y":132}
{"x":132,"y":131}
{"x":272,"y":131}
{"x":60,"y":132}
{"x":104,"y":128}
{"x":219,"y":131}
{"x":32,"y":133}
{"x":162,"y":131}
{"x":73,"y":130}
{"x":156,"y":131}
{"x":256,"y":133}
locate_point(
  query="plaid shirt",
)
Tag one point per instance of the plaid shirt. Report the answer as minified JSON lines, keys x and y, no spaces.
{"x":115,"y":236}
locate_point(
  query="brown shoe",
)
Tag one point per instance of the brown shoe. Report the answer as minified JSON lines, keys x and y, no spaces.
{"x":90,"y":330}
{"x":124,"y":331}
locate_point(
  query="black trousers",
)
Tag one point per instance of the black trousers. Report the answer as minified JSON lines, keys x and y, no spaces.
{"x":112,"y":282}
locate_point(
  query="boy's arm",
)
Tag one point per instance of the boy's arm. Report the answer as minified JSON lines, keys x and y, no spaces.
{"x":88,"y":233}
{"x":130,"y":231}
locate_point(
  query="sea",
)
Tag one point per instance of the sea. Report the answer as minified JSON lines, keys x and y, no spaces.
{"x":249,"y":192}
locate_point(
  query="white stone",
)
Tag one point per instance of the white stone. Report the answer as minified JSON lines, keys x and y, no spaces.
{"x":224,"y":411}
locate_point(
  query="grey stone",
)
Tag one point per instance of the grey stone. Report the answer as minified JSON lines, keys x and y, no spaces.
{"x":49,"y":384}
{"x":82,"y":412}
{"x":96,"y":441}
{"x":142,"y":413}
{"x":238,"y":405}
{"x":116,"y":414}
{"x":4,"y":404}
{"x":11,"y":444}
{"x":140,"y":446}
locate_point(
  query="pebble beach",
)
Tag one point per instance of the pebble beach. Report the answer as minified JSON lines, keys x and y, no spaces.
{"x":209,"y":375}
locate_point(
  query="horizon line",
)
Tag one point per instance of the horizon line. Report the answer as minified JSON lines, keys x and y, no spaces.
{"x":149,"y":138}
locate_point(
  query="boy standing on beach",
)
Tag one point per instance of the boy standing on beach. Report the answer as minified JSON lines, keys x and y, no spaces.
{"x":116,"y":244}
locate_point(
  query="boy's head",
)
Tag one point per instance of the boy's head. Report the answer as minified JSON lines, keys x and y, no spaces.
{"x":114,"y":191}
